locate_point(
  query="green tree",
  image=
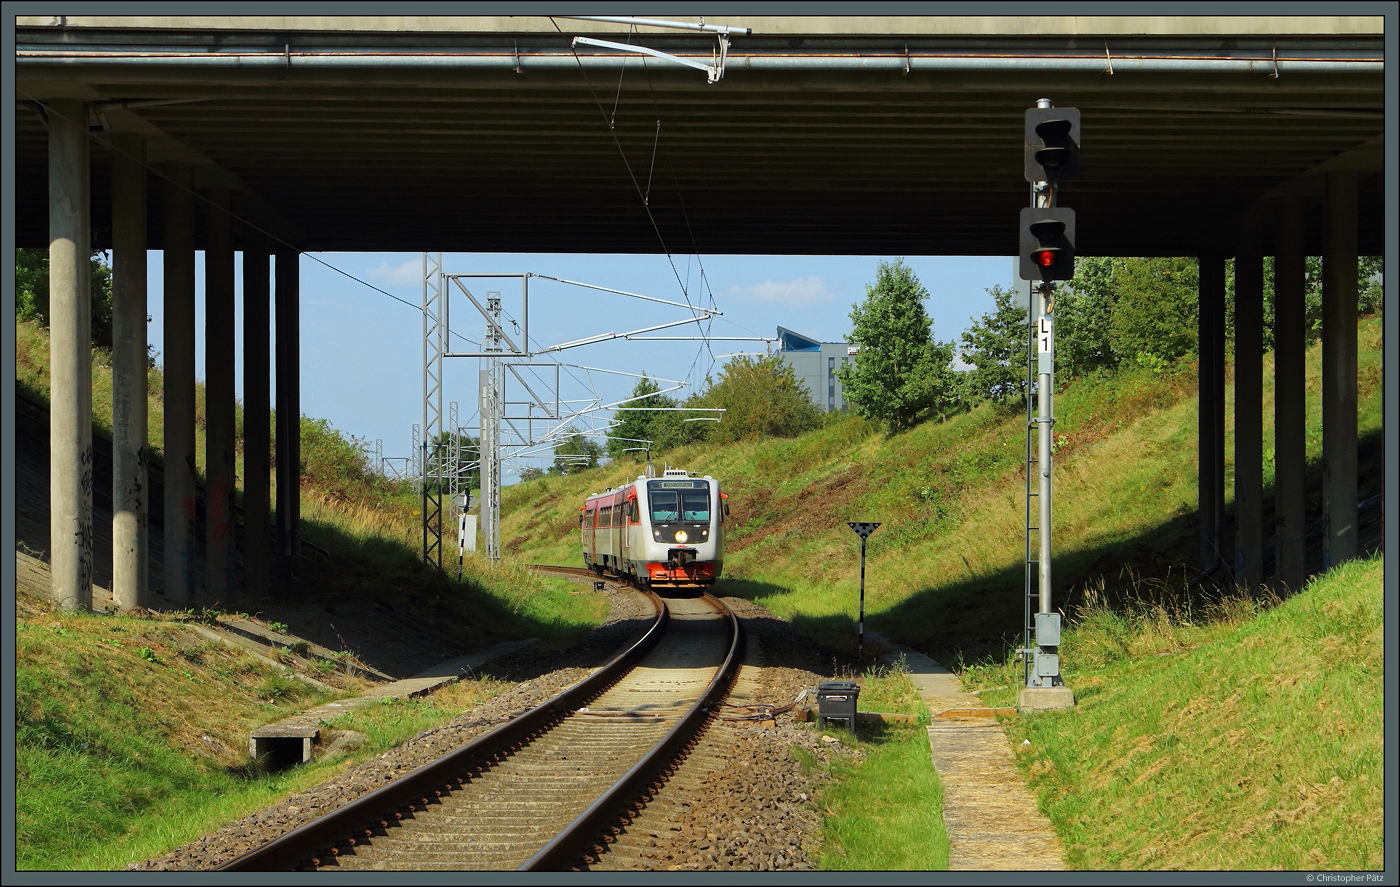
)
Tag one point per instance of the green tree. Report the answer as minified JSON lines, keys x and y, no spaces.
{"x":901,"y":375}
{"x":575,"y":453}
{"x":1155,"y":310}
{"x":1145,"y":309}
{"x":1370,"y":288}
{"x":1118,"y":309}
{"x":32,"y":292}
{"x":646,"y":408}
{"x":761,"y":397}
{"x":675,"y":429}
{"x":997,"y":347}
{"x":1083,"y":311}
{"x":1370,"y":293}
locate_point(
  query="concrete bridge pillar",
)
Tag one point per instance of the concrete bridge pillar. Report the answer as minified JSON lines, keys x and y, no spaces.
{"x":178,"y":271}
{"x":1339,"y":269}
{"x":288,"y":410}
{"x":70,"y":357}
{"x":219,"y":529}
{"x":1249,"y":410}
{"x":130,"y":514}
{"x":257,"y":369}
{"x":1290,"y":398}
{"x":1210,"y":457}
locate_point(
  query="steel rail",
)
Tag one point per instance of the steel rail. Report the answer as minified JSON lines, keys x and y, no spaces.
{"x":414,"y":788}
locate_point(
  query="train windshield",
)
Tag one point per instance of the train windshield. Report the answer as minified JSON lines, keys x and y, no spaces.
{"x":679,"y":501}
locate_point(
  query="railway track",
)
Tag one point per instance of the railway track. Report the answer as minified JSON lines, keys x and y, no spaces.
{"x":552,"y":787}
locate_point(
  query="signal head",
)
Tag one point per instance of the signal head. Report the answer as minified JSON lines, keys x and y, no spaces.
{"x":1052,"y":144}
{"x":1047,"y":243}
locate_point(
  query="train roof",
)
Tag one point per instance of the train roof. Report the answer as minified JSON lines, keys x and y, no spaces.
{"x":670,"y":472}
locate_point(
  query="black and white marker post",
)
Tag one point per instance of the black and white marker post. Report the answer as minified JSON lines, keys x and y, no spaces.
{"x":863,"y":530}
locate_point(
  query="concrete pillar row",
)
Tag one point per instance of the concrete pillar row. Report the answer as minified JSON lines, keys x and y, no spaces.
{"x":130,"y":513}
{"x":70,"y":358}
{"x":220,"y":532}
{"x":179,"y":397}
{"x":1290,"y":395}
{"x":1210,"y":545}
{"x":1339,"y":361}
{"x":257,"y":370}
{"x":1249,"y":410}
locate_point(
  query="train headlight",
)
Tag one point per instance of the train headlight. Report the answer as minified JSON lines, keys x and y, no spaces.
{"x":681,"y":536}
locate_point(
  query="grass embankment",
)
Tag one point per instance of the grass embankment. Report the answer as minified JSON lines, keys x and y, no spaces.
{"x":131,"y":733}
{"x":1251,"y":738}
{"x":132,"y":730}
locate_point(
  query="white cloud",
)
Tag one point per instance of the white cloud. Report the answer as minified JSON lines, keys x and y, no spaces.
{"x":408,"y":274}
{"x":808,"y":291}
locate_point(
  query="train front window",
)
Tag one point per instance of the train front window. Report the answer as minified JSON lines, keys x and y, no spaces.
{"x":673,"y":502}
{"x":665,"y":506}
{"x":695,"y":505}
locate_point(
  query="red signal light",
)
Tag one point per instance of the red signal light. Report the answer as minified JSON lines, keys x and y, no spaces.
{"x":1047,"y":243}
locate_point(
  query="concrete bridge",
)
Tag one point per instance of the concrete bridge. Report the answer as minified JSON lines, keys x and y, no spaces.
{"x":1230,"y":136}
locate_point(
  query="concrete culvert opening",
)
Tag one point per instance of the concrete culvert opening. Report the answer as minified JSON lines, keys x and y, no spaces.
{"x":277,"y":748}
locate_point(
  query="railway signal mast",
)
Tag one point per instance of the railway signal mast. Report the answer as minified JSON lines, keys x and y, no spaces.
{"x":1047,"y":234}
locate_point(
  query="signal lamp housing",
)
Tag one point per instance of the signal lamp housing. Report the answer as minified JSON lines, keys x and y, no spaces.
{"x":1052,"y":144}
{"x":1047,"y":243}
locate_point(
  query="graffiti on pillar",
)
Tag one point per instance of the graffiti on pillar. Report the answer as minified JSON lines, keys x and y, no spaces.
{"x":138,"y":491}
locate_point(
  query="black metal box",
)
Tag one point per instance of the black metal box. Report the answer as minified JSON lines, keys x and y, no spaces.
{"x":836,"y":700}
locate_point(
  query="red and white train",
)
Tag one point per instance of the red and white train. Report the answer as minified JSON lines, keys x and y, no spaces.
{"x":660,"y":532}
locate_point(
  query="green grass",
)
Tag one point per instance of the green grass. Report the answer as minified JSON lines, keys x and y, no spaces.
{"x":885,"y":812}
{"x":385,"y":723}
{"x":98,"y":747}
{"x":109,"y":773}
{"x":1246,"y":738}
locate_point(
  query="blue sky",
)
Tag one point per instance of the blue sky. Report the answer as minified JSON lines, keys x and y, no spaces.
{"x":362,"y":355}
